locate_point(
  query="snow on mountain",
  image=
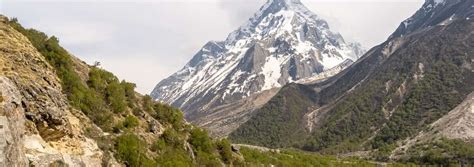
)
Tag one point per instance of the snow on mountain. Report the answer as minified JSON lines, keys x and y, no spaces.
{"x":282,"y":43}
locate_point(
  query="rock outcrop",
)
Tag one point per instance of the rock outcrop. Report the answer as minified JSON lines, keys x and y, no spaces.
{"x":37,"y":125}
{"x":459,"y":122}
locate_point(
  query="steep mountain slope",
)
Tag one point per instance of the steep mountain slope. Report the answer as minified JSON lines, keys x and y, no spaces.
{"x":59,"y":111}
{"x":423,"y":71}
{"x":450,"y":130}
{"x":282,"y":43}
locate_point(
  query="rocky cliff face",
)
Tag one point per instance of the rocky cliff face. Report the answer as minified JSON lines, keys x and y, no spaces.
{"x":282,"y":43}
{"x":37,"y":125}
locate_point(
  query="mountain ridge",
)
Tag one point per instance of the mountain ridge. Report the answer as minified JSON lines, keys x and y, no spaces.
{"x":367,"y":105}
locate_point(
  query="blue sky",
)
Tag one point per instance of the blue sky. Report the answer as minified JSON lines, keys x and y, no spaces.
{"x":144,"y":41}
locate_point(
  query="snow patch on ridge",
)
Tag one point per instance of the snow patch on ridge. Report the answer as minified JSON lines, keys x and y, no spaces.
{"x":437,"y":2}
{"x":272,"y":72}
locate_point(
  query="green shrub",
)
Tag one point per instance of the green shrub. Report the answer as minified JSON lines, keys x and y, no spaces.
{"x":172,"y":138}
{"x":130,"y":122}
{"x":207,"y":159}
{"x":174,"y":158}
{"x":200,"y":140}
{"x":106,"y":84}
{"x":225,"y":150}
{"x":147,"y":103}
{"x":116,"y":97}
{"x":158,"y":145}
{"x":132,"y":151}
{"x":168,"y":114}
{"x":129,"y":89}
{"x":383,"y":153}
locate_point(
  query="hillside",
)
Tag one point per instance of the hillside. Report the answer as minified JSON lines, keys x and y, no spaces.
{"x":90,"y":117}
{"x":395,"y":91}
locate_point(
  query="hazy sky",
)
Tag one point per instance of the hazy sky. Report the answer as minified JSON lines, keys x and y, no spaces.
{"x":144,"y":41}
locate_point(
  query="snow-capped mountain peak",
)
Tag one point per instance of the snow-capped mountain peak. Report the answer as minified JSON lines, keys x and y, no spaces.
{"x":283,"y":42}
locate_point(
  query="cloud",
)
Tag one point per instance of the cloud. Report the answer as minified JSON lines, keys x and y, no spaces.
{"x":240,"y":11}
{"x":369,"y":22}
{"x":79,"y":33}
